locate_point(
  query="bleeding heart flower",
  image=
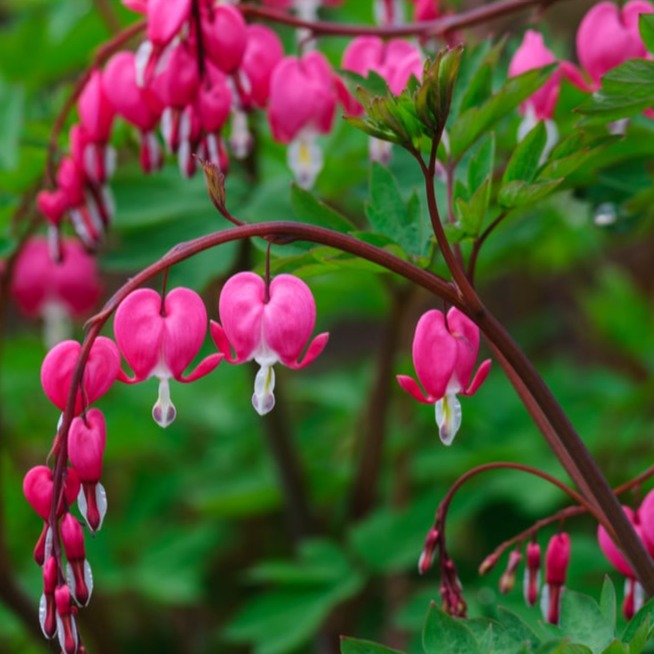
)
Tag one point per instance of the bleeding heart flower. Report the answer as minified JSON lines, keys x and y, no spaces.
{"x":224,"y":35}
{"x":78,"y":570}
{"x":557,"y":559}
{"x":95,"y":110}
{"x":66,"y":624}
{"x":268,"y":324}
{"x":444,"y":354}
{"x":608,"y":36}
{"x":159,"y":338}
{"x":532,"y":573}
{"x":55,"y":290}
{"x":100,"y":372}
{"x":47,"y":612}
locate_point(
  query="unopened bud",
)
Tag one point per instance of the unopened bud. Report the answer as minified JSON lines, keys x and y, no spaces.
{"x":507,"y":580}
{"x":427,"y":555}
{"x":488,"y":563}
{"x":215,"y":183}
{"x":532,"y":573}
{"x":66,"y":625}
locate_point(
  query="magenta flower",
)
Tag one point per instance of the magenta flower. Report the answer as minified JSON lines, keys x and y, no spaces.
{"x":224,"y":35}
{"x":608,"y":36}
{"x":268,"y":324}
{"x":78,"y":570}
{"x":66,"y":623}
{"x":444,"y":355}
{"x":55,"y":291}
{"x":532,"y":573}
{"x":47,"y":611}
{"x":159,"y":338}
{"x":302,"y":104}
{"x":86,"y":442}
{"x":100,"y":372}
{"x":557,"y":559}
{"x":634,"y":595}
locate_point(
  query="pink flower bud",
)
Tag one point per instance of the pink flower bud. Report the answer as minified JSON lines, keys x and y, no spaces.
{"x":38,"y":486}
{"x":53,"y":205}
{"x":557,"y":558}
{"x":507,"y":580}
{"x":177,"y":84}
{"x":428,"y":551}
{"x":159,"y":338}
{"x":79,"y":575}
{"x":95,"y":111}
{"x":224,"y":36}
{"x":268,"y":325}
{"x":214,"y":101}
{"x":532,"y":573}
{"x":47,"y":610}
{"x":86,"y":442}
{"x":426,"y":10}
{"x":138,"y":106}
{"x":66,"y":625}
{"x":444,"y":354}
{"x":608,"y":36}
{"x":263,"y":52}
{"x":165,"y":19}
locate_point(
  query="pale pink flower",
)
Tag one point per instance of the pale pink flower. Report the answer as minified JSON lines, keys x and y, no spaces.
{"x":444,"y":355}
{"x":159,"y":338}
{"x":268,"y":324}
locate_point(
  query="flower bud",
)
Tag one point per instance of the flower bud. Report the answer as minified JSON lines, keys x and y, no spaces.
{"x":427,"y":555}
{"x":47,"y":612}
{"x":532,"y":573}
{"x":557,"y":558}
{"x":66,"y":625}
{"x":507,"y":580}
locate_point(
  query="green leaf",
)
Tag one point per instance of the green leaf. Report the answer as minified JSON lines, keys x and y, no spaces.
{"x":616,"y":647}
{"x":313,"y":211}
{"x":443,"y":634}
{"x":474,"y":122}
{"x":583,"y":621}
{"x":608,"y":602}
{"x":641,"y":637}
{"x":388,"y":214}
{"x":482,"y":164}
{"x":471,"y":214}
{"x":355,"y":646}
{"x":517,"y":193}
{"x":526,"y":157}
{"x":646,"y":27}
{"x":12,"y":101}
{"x":644,"y":616}
{"x":516,"y":628}
{"x":626,"y":90}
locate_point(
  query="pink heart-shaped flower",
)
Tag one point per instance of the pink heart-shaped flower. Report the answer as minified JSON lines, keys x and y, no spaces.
{"x":86,"y":443}
{"x":38,"y":485}
{"x":99,"y":374}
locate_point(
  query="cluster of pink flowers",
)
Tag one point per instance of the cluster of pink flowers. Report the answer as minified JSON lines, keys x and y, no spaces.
{"x":196,"y":76}
{"x":607,"y":37}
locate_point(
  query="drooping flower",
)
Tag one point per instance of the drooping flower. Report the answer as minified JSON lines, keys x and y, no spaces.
{"x":268,"y":324}
{"x":78,"y":570}
{"x":532,"y":573}
{"x":55,"y":290}
{"x":634,"y":594}
{"x":47,"y":609}
{"x":301,"y":105}
{"x":159,"y":338}
{"x":100,"y":372}
{"x":66,"y":623}
{"x":444,"y":354}
{"x":86,"y":442}
{"x":608,"y":36}
{"x":557,"y":559}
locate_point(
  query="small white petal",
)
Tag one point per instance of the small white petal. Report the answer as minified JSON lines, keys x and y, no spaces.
{"x":448,"y":417}
{"x":263,"y":398}
{"x":305,"y":159}
{"x":164,"y":411}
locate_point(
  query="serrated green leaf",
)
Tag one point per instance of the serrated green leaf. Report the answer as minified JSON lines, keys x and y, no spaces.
{"x":311,"y":210}
{"x":583,"y":621}
{"x":474,"y":122}
{"x":443,"y":634}
{"x":608,"y":602}
{"x":517,"y":193}
{"x":355,"y":646}
{"x":626,"y":90}
{"x":524,"y":161}
{"x":646,"y":27}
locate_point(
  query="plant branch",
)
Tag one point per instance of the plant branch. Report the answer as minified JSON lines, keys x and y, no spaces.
{"x":438,"y":27}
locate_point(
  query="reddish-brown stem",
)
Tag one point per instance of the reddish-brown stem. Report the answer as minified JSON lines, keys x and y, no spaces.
{"x":479,"y":242}
{"x":437,"y":27}
{"x":563,"y":514}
